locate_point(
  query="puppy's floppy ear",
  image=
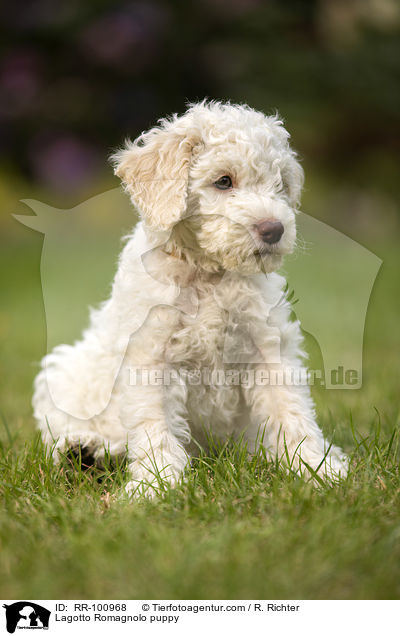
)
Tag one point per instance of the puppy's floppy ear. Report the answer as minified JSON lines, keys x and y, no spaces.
{"x":154,"y":169}
{"x":293,"y":177}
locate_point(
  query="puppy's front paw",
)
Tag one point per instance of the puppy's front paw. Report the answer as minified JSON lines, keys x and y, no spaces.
{"x":137,"y":489}
{"x":333,"y":467}
{"x":336,"y":466}
{"x":150,"y":483}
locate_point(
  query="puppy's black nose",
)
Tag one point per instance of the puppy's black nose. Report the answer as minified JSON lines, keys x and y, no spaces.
{"x":270,"y":231}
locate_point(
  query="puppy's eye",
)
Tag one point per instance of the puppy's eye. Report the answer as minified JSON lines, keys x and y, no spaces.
{"x":224,"y":183}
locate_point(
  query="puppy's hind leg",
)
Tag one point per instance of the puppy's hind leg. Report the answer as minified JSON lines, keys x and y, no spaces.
{"x":61,"y":432}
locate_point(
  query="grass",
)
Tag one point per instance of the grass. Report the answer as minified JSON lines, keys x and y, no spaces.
{"x":238,"y":527}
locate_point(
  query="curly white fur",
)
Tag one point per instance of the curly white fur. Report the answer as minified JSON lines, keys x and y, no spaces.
{"x":198,"y":239}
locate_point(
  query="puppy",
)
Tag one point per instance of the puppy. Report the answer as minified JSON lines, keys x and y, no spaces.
{"x":197,"y":334}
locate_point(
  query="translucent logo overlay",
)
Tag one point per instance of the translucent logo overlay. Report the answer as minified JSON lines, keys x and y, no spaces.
{"x":330,"y":279}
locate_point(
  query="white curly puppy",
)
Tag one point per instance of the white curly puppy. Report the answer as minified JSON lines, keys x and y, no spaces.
{"x":196,"y":291}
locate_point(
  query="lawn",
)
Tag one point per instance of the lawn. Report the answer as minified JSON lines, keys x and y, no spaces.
{"x":238,"y":527}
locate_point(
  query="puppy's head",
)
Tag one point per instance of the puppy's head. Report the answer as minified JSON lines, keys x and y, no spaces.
{"x":222,"y":180}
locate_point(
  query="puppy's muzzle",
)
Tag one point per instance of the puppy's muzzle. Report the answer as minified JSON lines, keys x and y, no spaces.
{"x":270,"y":231}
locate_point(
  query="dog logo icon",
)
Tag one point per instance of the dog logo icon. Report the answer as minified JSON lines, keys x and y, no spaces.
{"x":26,"y":615}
